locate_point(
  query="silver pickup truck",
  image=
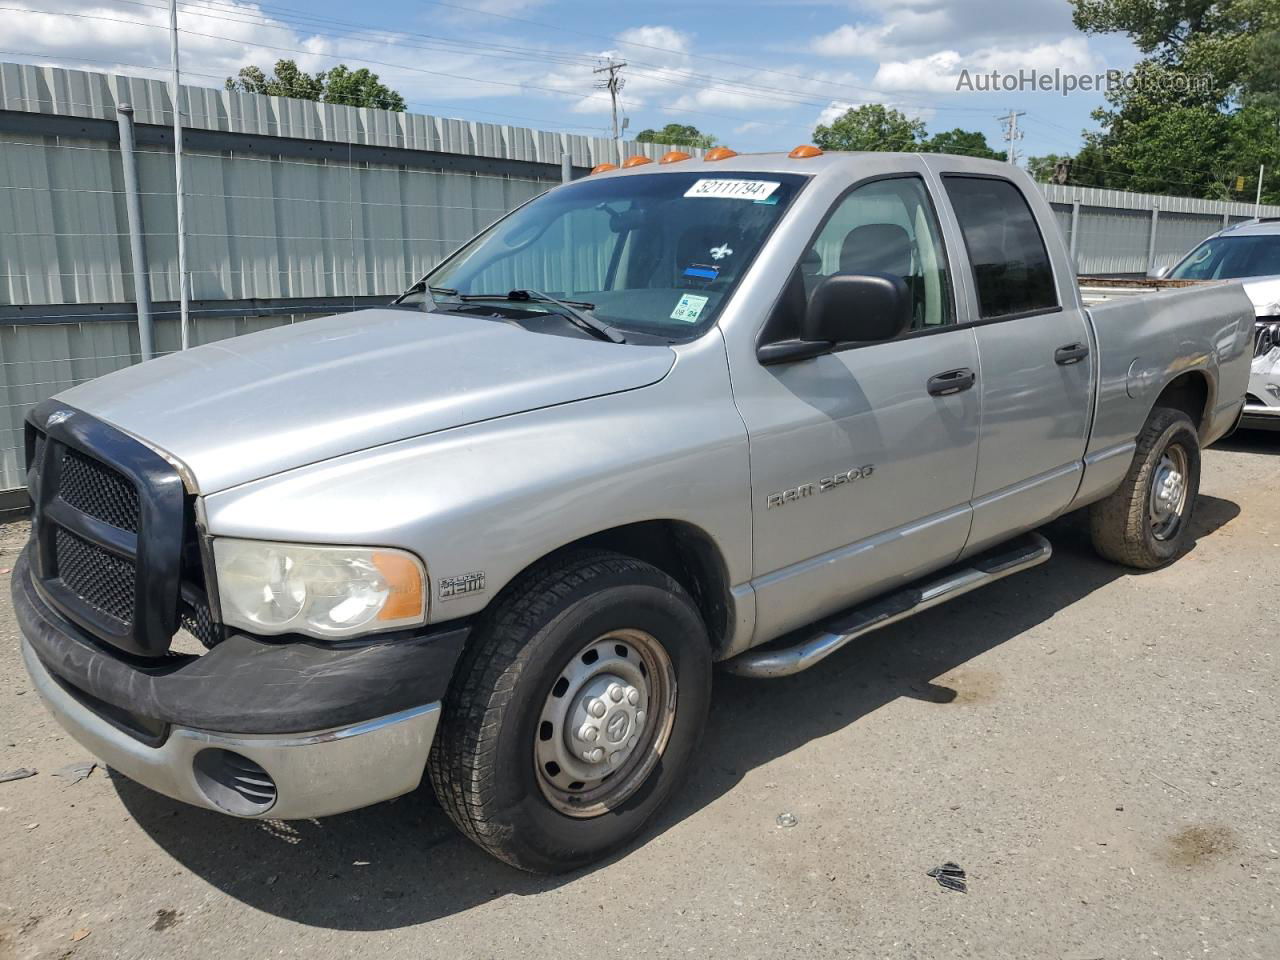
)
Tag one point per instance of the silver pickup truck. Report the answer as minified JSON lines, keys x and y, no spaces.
{"x":737,"y":410}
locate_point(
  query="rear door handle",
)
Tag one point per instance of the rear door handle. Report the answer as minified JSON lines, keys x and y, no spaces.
{"x":1071,"y":353}
{"x":953,"y":381}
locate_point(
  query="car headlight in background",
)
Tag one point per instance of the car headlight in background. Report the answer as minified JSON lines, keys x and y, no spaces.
{"x":273,"y":588}
{"x":1268,"y":311}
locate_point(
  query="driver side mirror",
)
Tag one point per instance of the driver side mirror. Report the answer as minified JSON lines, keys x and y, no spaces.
{"x":862,"y":307}
{"x":1159,"y":273}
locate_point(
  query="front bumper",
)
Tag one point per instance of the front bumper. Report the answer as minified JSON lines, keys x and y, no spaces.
{"x":311,"y":774}
{"x":291,"y":729}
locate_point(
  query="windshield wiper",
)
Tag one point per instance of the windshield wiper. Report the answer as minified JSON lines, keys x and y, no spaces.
{"x":421,"y":287}
{"x":575,"y":311}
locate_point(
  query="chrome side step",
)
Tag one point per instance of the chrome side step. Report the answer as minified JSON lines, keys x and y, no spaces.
{"x":1021,"y":554}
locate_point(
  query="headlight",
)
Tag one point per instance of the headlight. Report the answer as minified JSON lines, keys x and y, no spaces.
{"x":275,"y":588}
{"x":1268,"y":311}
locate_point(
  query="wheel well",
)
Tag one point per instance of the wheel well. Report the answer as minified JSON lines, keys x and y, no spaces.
{"x":683,"y":552}
{"x":1188,"y":392}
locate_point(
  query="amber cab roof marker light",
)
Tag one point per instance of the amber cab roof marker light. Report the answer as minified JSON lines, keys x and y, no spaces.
{"x":603,"y":168}
{"x":719,"y":153}
{"x":636,"y":161}
{"x":674,"y":156}
{"x":804,"y":152}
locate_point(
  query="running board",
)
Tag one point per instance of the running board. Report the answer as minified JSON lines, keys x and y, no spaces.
{"x":1023,"y":553}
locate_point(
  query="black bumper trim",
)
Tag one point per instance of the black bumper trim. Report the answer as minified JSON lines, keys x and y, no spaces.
{"x":245,"y":685}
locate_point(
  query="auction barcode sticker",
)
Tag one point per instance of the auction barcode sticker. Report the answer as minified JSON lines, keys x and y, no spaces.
{"x":733,"y":189}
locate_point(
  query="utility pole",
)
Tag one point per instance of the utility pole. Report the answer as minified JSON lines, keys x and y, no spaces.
{"x":614,"y":85}
{"x":1257,"y":203}
{"x":1011,"y":132}
{"x":176,"y":96}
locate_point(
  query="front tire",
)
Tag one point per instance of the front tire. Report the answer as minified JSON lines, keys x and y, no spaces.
{"x":574,"y":713}
{"x":1144,"y":523}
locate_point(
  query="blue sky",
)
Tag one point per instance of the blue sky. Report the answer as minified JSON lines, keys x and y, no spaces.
{"x":758,"y":75}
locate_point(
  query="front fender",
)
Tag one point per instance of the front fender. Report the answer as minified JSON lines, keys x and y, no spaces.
{"x":492,"y":498}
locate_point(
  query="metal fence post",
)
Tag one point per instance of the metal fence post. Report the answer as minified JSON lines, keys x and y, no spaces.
{"x":1151,"y":244}
{"x":137,"y":246}
{"x":566,"y":168}
{"x":1075,"y":230}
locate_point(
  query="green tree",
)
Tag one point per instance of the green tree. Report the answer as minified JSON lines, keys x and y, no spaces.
{"x":677,"y":135}
{"x":965,"y":143}
{"x":1205,"y":100}
{"x":1262,"y":76}
{"x":870,"y":127}
{"x":355,"y":88}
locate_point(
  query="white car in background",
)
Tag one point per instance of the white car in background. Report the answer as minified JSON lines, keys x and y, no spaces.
{"x":1248,"y":250}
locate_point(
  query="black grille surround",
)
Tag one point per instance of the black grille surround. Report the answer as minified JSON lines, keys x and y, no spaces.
{"x":113,"y":533}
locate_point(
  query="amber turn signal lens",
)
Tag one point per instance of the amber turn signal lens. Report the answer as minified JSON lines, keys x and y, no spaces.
{"x":674,"y":156}
{"x":604,"y":167}
{"x":804,"y":152}
{"x":719,"y":153}
{"x":404,"y":585}
{"x":636,"y":161}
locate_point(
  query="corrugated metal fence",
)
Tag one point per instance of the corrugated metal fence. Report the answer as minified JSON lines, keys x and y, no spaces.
{"x":297,"y":208}
{"x":1115,"y":232}
{"x":293,"y":208}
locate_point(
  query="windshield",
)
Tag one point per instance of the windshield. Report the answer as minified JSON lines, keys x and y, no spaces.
{"x":658,"y":254}
{"x":1227,"y":258}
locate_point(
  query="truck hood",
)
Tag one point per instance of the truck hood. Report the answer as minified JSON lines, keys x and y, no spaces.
{"x":1263,"y":291}
{"x":256,"y":405}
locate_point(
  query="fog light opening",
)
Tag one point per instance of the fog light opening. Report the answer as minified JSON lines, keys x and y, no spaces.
{"x":234,"y":783}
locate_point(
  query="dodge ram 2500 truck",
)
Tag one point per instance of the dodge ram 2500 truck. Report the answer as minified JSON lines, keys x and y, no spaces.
{"x":742,"y":409}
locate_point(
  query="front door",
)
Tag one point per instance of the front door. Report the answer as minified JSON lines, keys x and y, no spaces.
{"x":861,"y":472}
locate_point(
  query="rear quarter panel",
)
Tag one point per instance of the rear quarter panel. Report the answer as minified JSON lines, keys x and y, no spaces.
{"x":1143,"y":344}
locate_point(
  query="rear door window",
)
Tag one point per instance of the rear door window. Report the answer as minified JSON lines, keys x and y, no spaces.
{"x":1007,"y":254}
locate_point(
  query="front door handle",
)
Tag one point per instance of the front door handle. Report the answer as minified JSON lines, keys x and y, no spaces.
{"x":953,"y":381}
{"x":1071,"y":353}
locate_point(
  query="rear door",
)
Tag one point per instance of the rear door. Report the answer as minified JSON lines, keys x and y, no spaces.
{"x":1035,"y":352}
{"x":861,"y":471}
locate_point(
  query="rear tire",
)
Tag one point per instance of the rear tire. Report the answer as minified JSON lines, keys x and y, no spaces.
{"x":1144,"y":523}
{"x":575,"y":711}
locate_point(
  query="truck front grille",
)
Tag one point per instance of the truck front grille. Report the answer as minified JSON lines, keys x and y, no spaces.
{"x":1265,"y":336}
{"x":101,"y":579}
{"x":198,"y":621}
{"x":114,"y":547}
{"x":98,"y":491}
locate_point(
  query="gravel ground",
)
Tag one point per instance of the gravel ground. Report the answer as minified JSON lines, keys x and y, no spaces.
{"x":1096,"y":748}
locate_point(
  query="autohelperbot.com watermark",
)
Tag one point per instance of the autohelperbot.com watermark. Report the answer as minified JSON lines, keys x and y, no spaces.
{"x":1065,"y":83}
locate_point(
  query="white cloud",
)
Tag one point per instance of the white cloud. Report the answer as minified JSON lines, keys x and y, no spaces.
{"x":939,"y":72}
{"x":896,"y":30}
{"x":936,"y":72}
{"x":672,"y":42}
{"x":853,"y":41}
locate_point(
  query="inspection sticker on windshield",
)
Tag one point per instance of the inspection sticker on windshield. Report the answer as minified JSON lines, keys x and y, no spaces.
{"x":689,"y":307}
{"x":733,"y":189}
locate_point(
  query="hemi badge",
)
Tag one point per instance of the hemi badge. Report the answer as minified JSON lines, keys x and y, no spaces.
{"x":468,"y":583}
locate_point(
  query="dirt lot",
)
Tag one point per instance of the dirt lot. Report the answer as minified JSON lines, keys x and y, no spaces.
{"x":1097,"y":749}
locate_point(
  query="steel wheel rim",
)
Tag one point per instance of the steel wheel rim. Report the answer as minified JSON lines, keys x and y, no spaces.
{"x":615,"y":696}
{"x":1168,"y":496}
